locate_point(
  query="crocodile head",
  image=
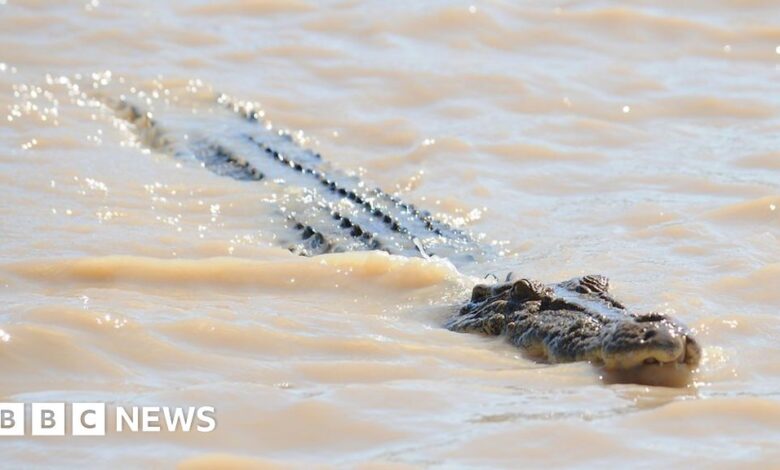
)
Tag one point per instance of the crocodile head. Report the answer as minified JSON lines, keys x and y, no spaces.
{"x":577,"y":320}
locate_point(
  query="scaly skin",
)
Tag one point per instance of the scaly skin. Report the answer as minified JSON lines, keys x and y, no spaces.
{"x":576,"y":320}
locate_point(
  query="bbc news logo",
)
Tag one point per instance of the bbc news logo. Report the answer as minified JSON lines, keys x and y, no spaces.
{"x":90,"y":419}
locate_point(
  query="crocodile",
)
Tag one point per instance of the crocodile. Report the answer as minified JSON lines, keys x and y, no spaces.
{"x":332,"y":211}
{"x":575,"y":320}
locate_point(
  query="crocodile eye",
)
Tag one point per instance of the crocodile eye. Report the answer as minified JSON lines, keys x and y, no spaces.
{"x":480,"y":293}
{"x":522,"y":290}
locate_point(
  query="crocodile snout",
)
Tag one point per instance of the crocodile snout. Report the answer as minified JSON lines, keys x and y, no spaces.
{"x":649,"y":339}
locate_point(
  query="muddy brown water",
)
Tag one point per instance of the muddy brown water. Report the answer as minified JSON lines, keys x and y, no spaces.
{"x":640,"y":142}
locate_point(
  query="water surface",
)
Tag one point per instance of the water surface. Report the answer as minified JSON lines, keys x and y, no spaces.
{"x":639,"y":142}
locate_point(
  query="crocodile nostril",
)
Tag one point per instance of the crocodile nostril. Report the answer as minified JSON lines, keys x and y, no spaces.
{"x":649,"y":334}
